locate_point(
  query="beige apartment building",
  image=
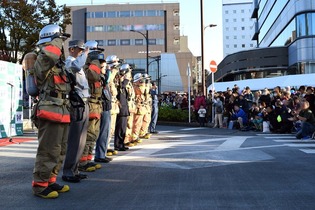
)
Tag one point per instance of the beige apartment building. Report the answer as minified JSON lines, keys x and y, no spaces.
{"x":123,"y":29}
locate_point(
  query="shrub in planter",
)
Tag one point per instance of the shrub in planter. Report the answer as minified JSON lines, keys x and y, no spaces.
{"x":167,"y":113}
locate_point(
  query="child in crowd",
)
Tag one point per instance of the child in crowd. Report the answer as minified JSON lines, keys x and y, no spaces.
{"x":202,"y":115}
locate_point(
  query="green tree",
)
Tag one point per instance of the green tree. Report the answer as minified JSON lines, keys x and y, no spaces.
{"x":21,"y":22}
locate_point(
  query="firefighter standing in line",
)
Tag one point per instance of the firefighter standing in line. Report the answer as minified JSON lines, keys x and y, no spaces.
{"x":92,"y":70}
{"x":113,"y":61}
{"x":79,"y":115}
{"x":51,"y":112}
{"x":121,"y":121}
{"x":104,"y":136}
{"x":138,"y":82}
{"x":144,"y":131}
{"x":131,"y":106}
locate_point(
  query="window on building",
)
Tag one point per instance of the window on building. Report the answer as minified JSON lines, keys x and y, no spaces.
{"x":227,"y":37}
{"x":243,"y":36}
{"x":111,"y":14}
{"x":227,"y":28}
{"x":242,"y":11}
{"x":125,"y":42}
{"x":235,"y":28}
{"x":175,"y":12}
{"x":234,"y":11}
{"x":111,"y":28}
{"x":176,"y":41}
{"x":235,"y":46}
{"x":161,"y":13}
{"x":227,"y":46}
{"x":226,"y":12}
{"x":139,"y":42}
{"x":89,"y":14}
{"x":152,"y":41}
{"x":139,"y":13}
{"x":243,"y":28}
{"x":89,"y":28}
{"x":234,"y":20}
{"x":111,"y":42}
{"x":124,"y":14}
{"x":151,"y":13}
{"x":235,"y":37}
{"x":243,"y":45}
{"x":100,"y":42}
{"x":99,"y":14}
{"x":243,"y":19}
{"x":251,"y":45}
{"x":176,"y":27}
{"x":99,"y":28}
{"x":160,"y":41}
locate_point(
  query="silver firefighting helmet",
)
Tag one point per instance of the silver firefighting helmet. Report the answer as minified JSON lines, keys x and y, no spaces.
{"x":93,"y":46}
{"x":137,"y":77}
{"x":50,"y":32}
{"x":112,"y":60}
{"x":124,"y":69}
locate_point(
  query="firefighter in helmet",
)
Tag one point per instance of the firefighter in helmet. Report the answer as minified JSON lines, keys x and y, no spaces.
{"x":51,"y":112}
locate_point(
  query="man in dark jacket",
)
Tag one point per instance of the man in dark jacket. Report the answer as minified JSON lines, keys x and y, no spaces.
{"x":121,"y":121}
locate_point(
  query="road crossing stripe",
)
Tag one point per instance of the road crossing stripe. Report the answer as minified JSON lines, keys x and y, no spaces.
{"x":308,"y":151}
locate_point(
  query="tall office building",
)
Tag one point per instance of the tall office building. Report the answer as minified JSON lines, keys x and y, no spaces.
{"x":285,"y":33}
{"x":124,"y":29}
{"x":237,"y":26}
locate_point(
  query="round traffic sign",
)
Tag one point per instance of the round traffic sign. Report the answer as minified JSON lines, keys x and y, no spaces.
{"x":213,"y":66}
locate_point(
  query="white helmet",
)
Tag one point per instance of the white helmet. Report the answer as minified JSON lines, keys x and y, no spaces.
{"x":93,"y":46}
{"x":112,"y":60}
{"x":137,"y":77}
{"x":124,"y":69}
{"x":49,"y":32}
{"x":146,"y":76}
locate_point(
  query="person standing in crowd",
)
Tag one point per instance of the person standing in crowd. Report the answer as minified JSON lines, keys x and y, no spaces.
{"x":248,"y":96}
{"x":51,"y":112}
{"x":310,"y":97}
{"x":155,"y":108}
{"x":218,"y":109}
{"x":104,"y":136}
{"x":121,"y":121}
{"x":92,"y":70}
{"x":202,"y":116}
{"x":199,"y":100}
{"x":78,"y":127}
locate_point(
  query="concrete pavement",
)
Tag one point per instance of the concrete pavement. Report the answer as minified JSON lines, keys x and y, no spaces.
{"x":180,"y":168}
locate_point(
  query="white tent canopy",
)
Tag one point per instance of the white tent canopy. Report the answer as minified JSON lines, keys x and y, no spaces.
{"x":270,"y":83}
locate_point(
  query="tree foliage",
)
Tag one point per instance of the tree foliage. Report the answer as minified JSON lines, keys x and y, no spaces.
{"x":21,"y":22}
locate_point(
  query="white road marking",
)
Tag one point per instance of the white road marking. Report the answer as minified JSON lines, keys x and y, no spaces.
{"x":280,"y":137}
{"x":308,"y":151}
{"x":232,"y":143}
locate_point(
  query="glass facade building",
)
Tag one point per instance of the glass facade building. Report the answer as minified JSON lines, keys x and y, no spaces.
{"x":286,"y":24}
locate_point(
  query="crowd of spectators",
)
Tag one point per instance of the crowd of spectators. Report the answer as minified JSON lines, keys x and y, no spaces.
{"x":278,"y":110}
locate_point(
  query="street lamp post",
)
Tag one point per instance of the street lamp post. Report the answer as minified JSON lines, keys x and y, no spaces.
{"x":146,"y":36}
{"x":203,"y":76}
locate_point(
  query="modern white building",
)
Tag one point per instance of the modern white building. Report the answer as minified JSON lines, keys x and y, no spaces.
{"x":238,"y":26}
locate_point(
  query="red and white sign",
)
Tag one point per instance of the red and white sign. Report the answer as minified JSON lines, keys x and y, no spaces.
{"x":213,"y":66}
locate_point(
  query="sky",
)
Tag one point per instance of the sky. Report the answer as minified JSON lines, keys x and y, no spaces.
{"x":190,"y":23}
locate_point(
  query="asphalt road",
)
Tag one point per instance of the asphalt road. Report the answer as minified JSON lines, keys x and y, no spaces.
{"x":180,"y":168}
